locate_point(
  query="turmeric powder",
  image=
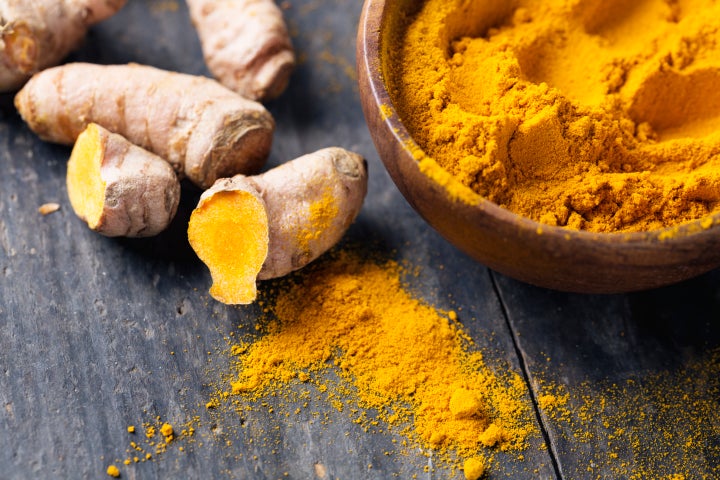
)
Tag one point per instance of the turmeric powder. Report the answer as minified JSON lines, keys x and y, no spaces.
{"x":113,"y":471}
{"x":588,"y":114}
{"x":661,"y":424}
{"x":406,"y":360}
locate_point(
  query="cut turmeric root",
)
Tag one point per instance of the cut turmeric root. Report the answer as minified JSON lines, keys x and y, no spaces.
{"x":120,"y":189}
{"x":254,"y":228}
{"x":35,"y":36}
{"x":203,"y":129}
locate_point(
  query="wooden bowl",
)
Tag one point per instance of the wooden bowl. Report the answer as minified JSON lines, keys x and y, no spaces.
{"x":546,"y":256}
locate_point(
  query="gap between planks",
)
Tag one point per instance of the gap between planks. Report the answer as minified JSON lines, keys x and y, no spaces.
{"x":526,"y":376}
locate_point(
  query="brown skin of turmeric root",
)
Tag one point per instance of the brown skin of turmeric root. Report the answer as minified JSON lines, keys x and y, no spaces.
{"x":203,"y":129}
{"x":266,"y":226}
{"x":246,"y":45}
{"x":120,"y":189}
{"x":37,"y":35}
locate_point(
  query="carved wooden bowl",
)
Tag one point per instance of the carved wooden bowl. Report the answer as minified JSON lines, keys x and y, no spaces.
{"x":552,"y":257}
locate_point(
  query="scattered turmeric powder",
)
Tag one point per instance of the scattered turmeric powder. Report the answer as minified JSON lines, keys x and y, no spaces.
{"x":405,"y":360}
{"x":592,"y":115}
{"x":663,"y":425}
{"x":148,"y":447}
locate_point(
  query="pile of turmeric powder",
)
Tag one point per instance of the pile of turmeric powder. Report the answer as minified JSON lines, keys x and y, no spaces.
{"x":595,"y":115}
{"x":397,"y":356}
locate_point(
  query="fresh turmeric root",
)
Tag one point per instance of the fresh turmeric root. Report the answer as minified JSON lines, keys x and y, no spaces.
{"x":203,"y":129}
{"x":246,"y":45}
{"x":255,"y":228}
{"x":36,"y":35}
{"x":120,"y":189}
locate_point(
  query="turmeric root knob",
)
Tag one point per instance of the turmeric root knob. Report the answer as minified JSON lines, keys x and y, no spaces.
{"x":119,"y":189}
{"x":266,"y":226}
{"x":246,"y":45}
{"x":34,"y":37}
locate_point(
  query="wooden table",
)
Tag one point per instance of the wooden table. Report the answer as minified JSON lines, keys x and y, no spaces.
{"x":88,"y":324}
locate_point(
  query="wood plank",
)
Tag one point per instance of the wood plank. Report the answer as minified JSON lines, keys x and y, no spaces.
{"x":98,"y":334}
{"x":640,"y":371}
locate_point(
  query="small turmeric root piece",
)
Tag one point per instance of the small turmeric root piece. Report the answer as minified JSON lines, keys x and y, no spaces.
{"x":36,"y":35}
{"x":203,"y":129}
{"x":255,"y":228}
{"x":246,"y":45}
{"x":120,"y":189}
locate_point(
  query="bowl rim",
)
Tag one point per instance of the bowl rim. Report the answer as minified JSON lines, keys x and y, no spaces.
{"x":371,"y":27}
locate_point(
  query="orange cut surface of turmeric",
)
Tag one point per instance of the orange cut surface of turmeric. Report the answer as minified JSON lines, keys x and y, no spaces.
{"x":86,"y":188}
{"x":229,"y":233}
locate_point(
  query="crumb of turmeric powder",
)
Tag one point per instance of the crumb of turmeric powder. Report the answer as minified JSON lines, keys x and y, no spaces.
{"x":592,"y":115}
{"x":493,"y":435}
{"x":474,"y":468}
{"x":131,"y":428}
{"x":167,"y":431}
{"x":465,"y":403}
{"x":145,"y":448}
{"x":549,"y":401}
{"x":113,"y":471}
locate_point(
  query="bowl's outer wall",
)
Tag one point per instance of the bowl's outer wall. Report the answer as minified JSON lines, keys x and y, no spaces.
{"x":546,"y":256}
